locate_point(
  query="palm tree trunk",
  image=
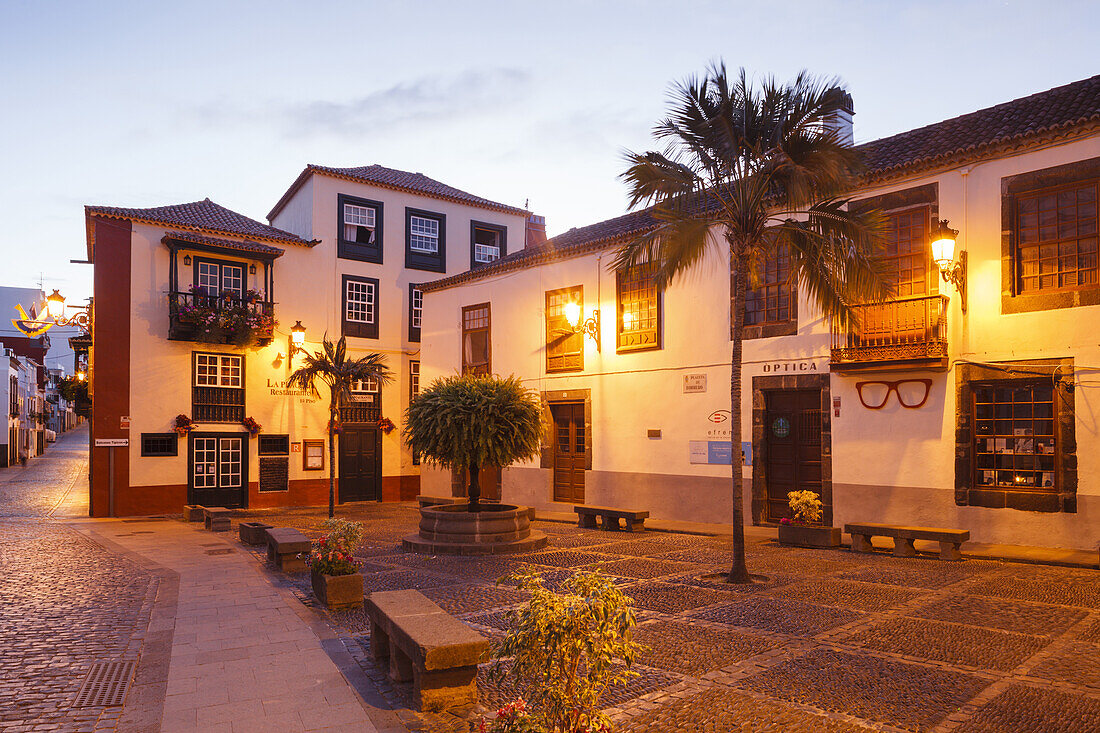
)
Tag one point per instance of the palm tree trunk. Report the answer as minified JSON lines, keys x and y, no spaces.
{"x":739,"y":573}
{"x":474,"y":492}
{"x":332,"y":414}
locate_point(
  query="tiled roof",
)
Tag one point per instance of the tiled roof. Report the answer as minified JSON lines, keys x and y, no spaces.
{"x":246,"y":246}
{"x":1046,"y":114}
{"x":204,"y":215}
{"x":1056,"y":113}
{"x":399,"y":180}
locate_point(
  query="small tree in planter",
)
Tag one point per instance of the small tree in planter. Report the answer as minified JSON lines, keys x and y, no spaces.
{"x":468,"y":421}
{"x":334,"y":569}
{"x":803,"y":529}
{"x":333,"y":367}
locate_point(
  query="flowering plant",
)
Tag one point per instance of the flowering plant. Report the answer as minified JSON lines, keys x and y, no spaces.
{"x":183,"y":424}
{"x":806,"y":506}
{"x":252,"y":426}
{"x":511,"y":718}
{"x":224,"y":318}
{"x":334,"y":427}
{"x":386,"y":425}
{"x":333,"y":552}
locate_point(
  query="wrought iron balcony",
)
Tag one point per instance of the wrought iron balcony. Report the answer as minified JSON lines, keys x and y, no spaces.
{"x":902,"y":332}
{"x":224,"y":319}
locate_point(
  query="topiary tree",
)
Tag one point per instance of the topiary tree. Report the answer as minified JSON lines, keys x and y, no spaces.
{"x":466,"y":421}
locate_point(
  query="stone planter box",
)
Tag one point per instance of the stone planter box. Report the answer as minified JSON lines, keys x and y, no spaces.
{"x":192,"y":513}
{"x":252,"y":533}
{"x":338,"y":591}
{"x":809,"y":535}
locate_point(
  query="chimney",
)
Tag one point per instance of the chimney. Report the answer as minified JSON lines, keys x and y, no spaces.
{"x":535,"y":235}
{"x":840,"y":121}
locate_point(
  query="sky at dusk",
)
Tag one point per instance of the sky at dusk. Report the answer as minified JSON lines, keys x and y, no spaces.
{"x":149,"y":103}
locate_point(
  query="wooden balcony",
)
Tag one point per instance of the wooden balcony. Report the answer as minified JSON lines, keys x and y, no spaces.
{"x":212,"y":319}
{"x":901,"y":333}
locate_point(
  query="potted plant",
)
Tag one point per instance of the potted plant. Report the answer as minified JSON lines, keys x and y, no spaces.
{"x":334,"y":570}
{"x":803,"y":529}
{"x":252,"y":427}
{"x":183,"y":425}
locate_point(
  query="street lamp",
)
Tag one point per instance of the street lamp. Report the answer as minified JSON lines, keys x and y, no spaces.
{"x":952,"y":268}
{"x":297,"y":338}
{"x":590,"y":327}
{"x":55,"y":305}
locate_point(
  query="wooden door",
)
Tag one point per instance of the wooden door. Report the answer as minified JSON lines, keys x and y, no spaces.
{"x":360,"y":467}
{"x":792,"y":444}
{"x":569,"y":451}
{"x":219,"y":470}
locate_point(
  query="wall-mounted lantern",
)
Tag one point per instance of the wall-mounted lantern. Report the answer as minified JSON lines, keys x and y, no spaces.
{"x":297,"y":338}
{"x":952,"y":266}
{"x":252,"y":269}
{"x":590,"y":327}
{"x":187,"y":260}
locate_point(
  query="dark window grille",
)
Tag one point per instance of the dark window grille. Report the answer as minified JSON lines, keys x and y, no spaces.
{"x":217,"y":404}
{"x":771,"y":301}
{"x":1056,"y":239}
{"x":159,"y":444}
{"x":477,"y":347}
{"x":274,"y":445}
{"x":1015,"y":444}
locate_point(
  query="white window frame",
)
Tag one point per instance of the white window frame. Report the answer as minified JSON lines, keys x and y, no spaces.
{"x":423,"y":234}
{"x":417,"y":307}
{"x":414,"y":378}
{"x":219,"y":370}
{"x":486,"y":253}
{"x":360,"y":309}
{"x":359,"y":216}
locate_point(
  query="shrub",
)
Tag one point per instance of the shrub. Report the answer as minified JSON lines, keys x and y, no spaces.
{"x":806,"y":506}
{"x":569,"y":648}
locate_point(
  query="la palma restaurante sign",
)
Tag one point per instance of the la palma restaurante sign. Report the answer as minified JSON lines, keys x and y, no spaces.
{"x":279,"y":389}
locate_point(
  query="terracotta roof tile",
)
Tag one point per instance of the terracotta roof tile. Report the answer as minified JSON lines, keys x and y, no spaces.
{"x":246,"y":246}
{"x":400,"y":180}
{"x":1056,"y":112}
{"x":205,"y":215}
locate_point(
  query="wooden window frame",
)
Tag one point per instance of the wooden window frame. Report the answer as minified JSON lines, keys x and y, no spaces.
{"x":359,"y":329}
{"x":414,"y":330}
{"x":172,"y":438}
{"x":468,"y":368}
{"x":931,"y":271}
{"x":977,"y":478}
{"x":238,"y":407}
{"x":284,"y":439}
{"x":559,"y":362}
{"x":624,"y":337}
{"x":1017,"y":254}
{"x":416,"y":260}
{"x":502,"y":241}
{"x":349,"y":250}
{"x":305,"y":454}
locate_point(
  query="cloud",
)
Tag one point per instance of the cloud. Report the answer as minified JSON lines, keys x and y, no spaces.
{"x":420,"y":101}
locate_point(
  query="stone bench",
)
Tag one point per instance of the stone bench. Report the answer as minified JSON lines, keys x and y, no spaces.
{"x":949,"y":539}
{"x":253,"y":533}
{"x":216,"y":518}
{"x":635,"y":520}
{"x":423,"y":643}
{"x":192,"y":513}
{"x":284,"y":544}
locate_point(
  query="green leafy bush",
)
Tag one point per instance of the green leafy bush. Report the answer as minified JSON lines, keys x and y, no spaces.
{"x":568,"y":648}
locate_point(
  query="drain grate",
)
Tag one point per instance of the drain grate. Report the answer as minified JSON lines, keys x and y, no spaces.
{"x":226,"y":551}
{"x":105,"y":685}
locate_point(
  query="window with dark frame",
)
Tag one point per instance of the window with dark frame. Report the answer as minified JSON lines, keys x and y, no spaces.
{"x":425,"y":240}
{"x":1056,"y":238}
{"x":219,"y":277}
{"x":907,"y":257}
{"x":274,"y":445}
{"x":477,"y":354}
{"x":639,"y":308}
{"x":274,"y":452}
{"x":416,"y":312}
{"x":217,"y":393}
{"x":1015,"y":444}
{"x":159,"y":444}
{"x":564,"y":346}
{"x":771,"y":302}
{"x":414,"y":390}
{"x":360,"y":306}
{"x":359,"y":229}
{"x":488,"y":243}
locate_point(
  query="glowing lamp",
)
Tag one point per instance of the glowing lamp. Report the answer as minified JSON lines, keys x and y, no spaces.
{"x":952,"y":267}
{"x":55,"y":306}
{"x":297,"y":337}
{"x":573,"y":314}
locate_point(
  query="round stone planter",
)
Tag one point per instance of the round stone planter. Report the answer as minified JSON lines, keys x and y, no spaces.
{"x":338,"y":591}
{"x":451,"y":529}
{"x":809,"y":535}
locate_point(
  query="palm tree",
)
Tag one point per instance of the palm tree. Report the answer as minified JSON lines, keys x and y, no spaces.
{"x":333,"y":367}
{"x":465,"y":422}
{"x":755,"y":168}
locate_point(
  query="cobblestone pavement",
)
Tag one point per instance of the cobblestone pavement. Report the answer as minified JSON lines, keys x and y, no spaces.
{"x":65,"y":602}
{"x":831,"y":641}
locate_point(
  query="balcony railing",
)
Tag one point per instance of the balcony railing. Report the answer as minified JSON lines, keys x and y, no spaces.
{"x":227,"y":319}
{"x":903,"y":331}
